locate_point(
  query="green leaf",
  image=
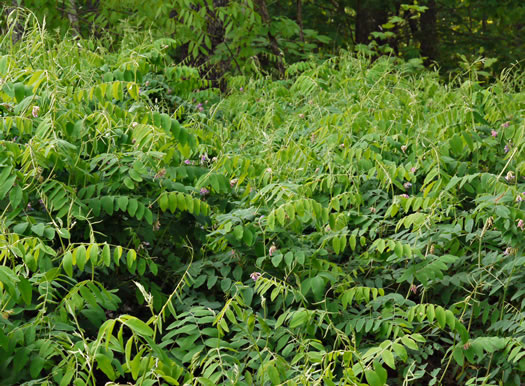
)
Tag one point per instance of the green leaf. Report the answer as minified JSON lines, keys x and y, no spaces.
{"x":458,"y":355}
{"x":26,"y":290}
{"x":380,"y":371}
{"x":79,"y":256}
{"x":15,"y":196}
{"x":6,"y":181}
{"x":133,"y":205}
{"x":129,"y":183}
{"x":20,"y":228}
{"x":288,"y":259}
{"x":130,"y":258}
{"x":172,"y":199}
{"x":36,"y":366}
{"x":138,"y":326}
{"x":431,"y":313}
{"x":38,"y":229}
{"x":299,"y":319}
{"x":238,"y":232}
{"x":372,"y":378}
{"x":107,"y":204}
{"x":67,"y":263}
{"x":388,"y":358}
{"x":273,"y":374}
{"x":164,"y":202}
{"x":277,"y":258}
{"x":318,"y":287}
{"x":104,"y":364}
{"x":20,"y":92}
{"x":400,"y":351}
{"x":122,"y":202}
{"x":9,"y":279}
{"x":281,"y":215}
{"x":106,"y":255}
{"x":451,"y":319}
{"x":407,"y":341}
{"x":441,"y":317}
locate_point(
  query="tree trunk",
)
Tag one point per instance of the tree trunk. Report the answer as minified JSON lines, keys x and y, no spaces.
{"x":429,"y":38}
{"x":300,"y":19}
{"x":265,"y":16}
{"x":72,"y":15}
{"x":369,"y":17}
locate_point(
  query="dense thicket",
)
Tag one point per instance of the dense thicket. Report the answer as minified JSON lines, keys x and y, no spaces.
{"x":353,"y":222}
{"x":228,"y":35}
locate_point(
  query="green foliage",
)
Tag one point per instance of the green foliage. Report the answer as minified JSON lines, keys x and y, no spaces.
{"x":352,"y":223}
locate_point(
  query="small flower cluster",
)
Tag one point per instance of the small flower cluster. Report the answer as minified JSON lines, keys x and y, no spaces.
{"x":494,"y":133}
{"x":35,"y":111}
{"x":161,"y":173}
{"x":510,"y":177}
{"x":407,"y":185}
{"x":255,"y":276}
{"x":520,"y":197}
{"x":204,"y":192}
{"x":405,"y":195}
{"x":272,"y":250}
{"x":521,"y":224}
{"x":404,"y":148}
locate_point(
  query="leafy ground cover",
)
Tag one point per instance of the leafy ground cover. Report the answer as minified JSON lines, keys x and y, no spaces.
{"x":352,"y":223}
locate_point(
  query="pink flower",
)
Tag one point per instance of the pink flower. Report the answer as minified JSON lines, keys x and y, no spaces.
{"x":407,"y":185}
{"x":35,"y":111}
{"x":494,"y":133}
{"x":510,"y":176}
{"x":519,"y":197}
{"x":204,"y":191}
{"x":272,"y":250}
{"x":187,"y":162}
{"x":413,"y":170}
{"x":233,"y":182}
{"x":505,"y":125}
{"x":507,"y":251}
{"x":342,"y":146}
{"x":521,"y":224}
{"x":405,"y":195}
{"x":413,"y":289}
{"x":241,"y":89}
{"x":255,"y":275}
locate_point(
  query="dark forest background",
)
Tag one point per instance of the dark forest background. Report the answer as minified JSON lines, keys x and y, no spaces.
{"x":226,"y":36}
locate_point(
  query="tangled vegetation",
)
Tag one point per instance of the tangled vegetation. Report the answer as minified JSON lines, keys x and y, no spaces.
{"x":355,"y":222}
